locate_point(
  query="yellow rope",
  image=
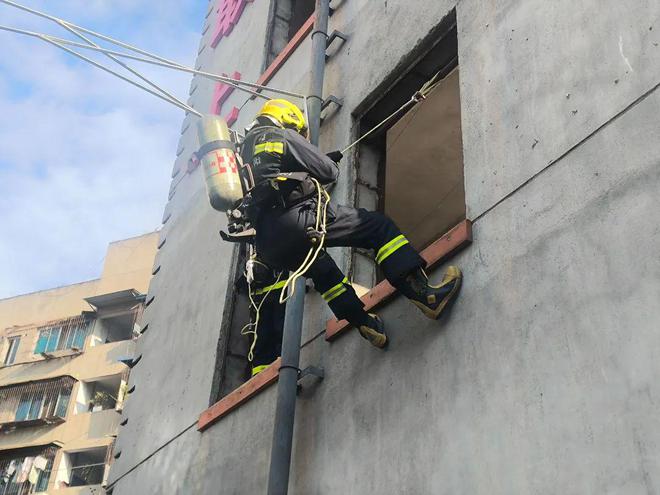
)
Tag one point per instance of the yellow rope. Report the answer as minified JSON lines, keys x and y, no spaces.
{"x":256,"y":318}
{"x":321,"y":220}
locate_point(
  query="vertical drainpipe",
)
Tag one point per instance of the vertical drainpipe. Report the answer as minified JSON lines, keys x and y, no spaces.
{"x":280,"y":455}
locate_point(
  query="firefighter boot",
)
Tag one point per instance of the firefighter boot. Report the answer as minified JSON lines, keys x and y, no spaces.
{"x":431,"y":299}
{"x":373,"y":329}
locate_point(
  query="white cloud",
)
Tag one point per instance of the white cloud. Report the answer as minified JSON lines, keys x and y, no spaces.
{"x":85,"y":159}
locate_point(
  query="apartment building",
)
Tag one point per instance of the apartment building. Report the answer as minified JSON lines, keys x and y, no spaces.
{"x":533,"y":164}
{"x":66,"y":357}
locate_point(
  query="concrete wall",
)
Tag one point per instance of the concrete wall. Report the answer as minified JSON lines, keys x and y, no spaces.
{"x":542,"y":379}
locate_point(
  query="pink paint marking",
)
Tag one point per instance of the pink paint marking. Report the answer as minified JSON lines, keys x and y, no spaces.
{"x":220,"y":94}
{"x":229,"y":13}
{"x":232,"y":117}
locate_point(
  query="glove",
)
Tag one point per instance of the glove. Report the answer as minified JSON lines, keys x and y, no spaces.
{"x":335,"y":156}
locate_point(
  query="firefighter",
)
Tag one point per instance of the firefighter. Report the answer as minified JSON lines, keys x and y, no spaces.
{"x":283,"y":205}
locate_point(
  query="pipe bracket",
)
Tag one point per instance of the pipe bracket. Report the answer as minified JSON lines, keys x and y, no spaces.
{"x":336,"y":34}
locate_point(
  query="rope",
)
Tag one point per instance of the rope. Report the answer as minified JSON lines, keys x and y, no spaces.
{"x":321,"y":221}
{"x":420,"y":95}
{"x":257,"y":310}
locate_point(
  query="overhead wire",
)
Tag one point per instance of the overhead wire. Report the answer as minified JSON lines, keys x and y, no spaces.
{"x":91,"y":44}
{"x":133,"y":48}
{"x":120,"y":76}
{"x":253,"y":89}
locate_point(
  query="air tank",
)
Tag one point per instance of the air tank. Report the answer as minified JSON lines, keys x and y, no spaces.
{"x":219,"y":161}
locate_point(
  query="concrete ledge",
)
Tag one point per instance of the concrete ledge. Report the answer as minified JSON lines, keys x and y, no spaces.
{"x":239,"y":396}
{"x":287,"y":51}
{"x":454,"y":240}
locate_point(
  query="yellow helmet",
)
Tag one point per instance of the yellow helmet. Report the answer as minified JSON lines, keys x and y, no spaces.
{"x":285,"y":113}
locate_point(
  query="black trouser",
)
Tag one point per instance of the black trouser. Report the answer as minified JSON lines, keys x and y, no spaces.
{"x":269,"y":331}
{"x":283,"y":243}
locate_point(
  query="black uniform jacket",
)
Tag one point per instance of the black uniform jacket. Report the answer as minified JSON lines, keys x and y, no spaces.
{"x":281,"y":226}
{"x":271,"y":151}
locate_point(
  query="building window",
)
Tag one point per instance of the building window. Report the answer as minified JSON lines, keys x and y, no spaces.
{"x":68,"y":334}
{"x":289,"y":16}
{"x":83,"y":468}
{"x":48,"y":340}
{"x":232,"y":366}
{"x":412,"y":168}
{"x":29,"y":407}
{"x":12,"y":349}
{"x":46,"y":401}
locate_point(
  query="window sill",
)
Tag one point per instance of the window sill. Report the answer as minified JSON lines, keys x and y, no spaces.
{"x":456,"y":239}
{"x":238,"y":397}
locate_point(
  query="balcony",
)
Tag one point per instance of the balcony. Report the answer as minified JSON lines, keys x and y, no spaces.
{"x":83,"y":468}
{"x":24,"y":471}
{"x":35,"y":403}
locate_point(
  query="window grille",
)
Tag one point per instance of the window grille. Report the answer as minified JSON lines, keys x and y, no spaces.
{"x":12,"y":464}
{"x":64,"y":334}
{"x":43,"y":402}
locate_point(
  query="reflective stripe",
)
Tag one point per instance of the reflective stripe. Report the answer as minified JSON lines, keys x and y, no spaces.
{"x":335,"y":291}
{"x":269,"y":288}
{"x":336,"y":294}
{"x":269,"y":147}
{"x":259,"y":369}
{"x":390,"y":247}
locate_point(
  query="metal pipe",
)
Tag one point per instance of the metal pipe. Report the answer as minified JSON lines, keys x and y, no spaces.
{"x":280,"y":456}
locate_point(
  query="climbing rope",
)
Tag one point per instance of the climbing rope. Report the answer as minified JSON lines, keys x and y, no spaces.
{"x":323,"y":199}
{"x":257,"y":309}
{"x":254,"y":89}
{"x":418,"y":96}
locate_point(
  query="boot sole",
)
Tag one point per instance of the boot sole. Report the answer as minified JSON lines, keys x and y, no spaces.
{"x":434,"y":314}
{"x":373,"y":337}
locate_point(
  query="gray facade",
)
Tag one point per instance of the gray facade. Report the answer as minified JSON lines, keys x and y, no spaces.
{"x":543,"y":378}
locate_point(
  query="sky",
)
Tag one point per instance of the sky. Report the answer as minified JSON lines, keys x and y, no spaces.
{"x":85,"y":159}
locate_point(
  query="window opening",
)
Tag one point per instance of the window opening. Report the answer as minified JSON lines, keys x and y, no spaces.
{"x":289,"y":16}
{"x":99,"y":395}
{"x":65,"y":334}
{"x":12,"y":349}
{"x":232,"y":366}
{"x":412,"y":169}
{"x":83,"y":468}
{"x":48,"y":340}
